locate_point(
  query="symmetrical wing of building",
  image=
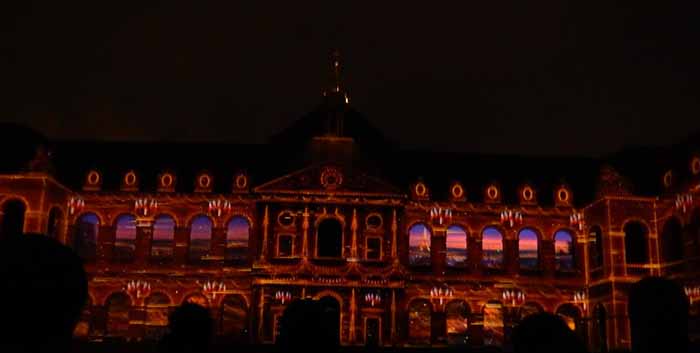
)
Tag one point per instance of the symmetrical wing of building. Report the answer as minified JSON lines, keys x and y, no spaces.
{"x":408,"y":247}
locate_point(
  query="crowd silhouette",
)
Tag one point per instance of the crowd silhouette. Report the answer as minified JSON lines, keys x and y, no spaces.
{"x":44,"y":289}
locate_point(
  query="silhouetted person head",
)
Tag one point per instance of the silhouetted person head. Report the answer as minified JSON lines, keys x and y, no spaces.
{"x":191,"y":329}
{"x":306,"y":326}
{"x":43,"y":288}
{"x":658,"y":313}
{"x":544,"y":332}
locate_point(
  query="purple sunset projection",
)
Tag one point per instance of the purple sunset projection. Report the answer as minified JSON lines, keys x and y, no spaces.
{"x":163,"y":238}
{"x":419,"y":245}
{"x":492,"y":248}
{"x":456,"y":246}
{"x":125,"y":242}
{"x":200,"y":238}
{"x":564,"y":250}
{"x":527,"y":249}
{"x":493,"y":324}
{"x":237,"y":236}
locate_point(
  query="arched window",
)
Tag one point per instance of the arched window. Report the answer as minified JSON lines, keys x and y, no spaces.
{"x":125,"y":242}
{"x":636,"y":243}
{"x":456,"y":246}
{"x":85,"y":237}
{"x":528,"y":249}
{"x":419,"y":329}
{"x":564,"y":251}
{"x":163,"y":245}
{"x":198,"y":299}
{"x":419,"y":245}
{"x":237,"y":237}
{"x":234,"y":319}
{"x":672,"y":240}
{"x":493,"y":324}
{"x":457,"y":313}
{"x":530,"y":308}
{"x":571,"y":315}
{"x":200,"y":239}
{"x":55,"y":223}
{"x":596,"y":247}
{"x":492,"y":248}
{"x":329,"y":240}
{"x":118,"y":306}
{"x":157,"y":311}
{"x":12,"y":218}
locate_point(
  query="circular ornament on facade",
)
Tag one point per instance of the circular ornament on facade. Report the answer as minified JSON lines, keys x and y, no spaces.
{"x":331,"y":178}
{"x":204,"y":181}
{"x":420,"y":189}
{"x":93,"y":177}
{"x":285,"y":218}
{"x":457,"y":191}
{"x":695,"y":166}
{"x":374,"y":221}
{"x":241,"y":181}
{"x":492,"y":192}
{"x":130,"y":178}
{"x":668,"y":179}
{"x":166,"y":180}
{"x":528,"y":193}
{"x":563,"y":195}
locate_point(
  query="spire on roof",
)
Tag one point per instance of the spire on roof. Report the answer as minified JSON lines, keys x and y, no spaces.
{"x":336,"y":88}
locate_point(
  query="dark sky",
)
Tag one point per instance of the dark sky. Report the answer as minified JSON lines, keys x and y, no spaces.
{"x":527,"y":77}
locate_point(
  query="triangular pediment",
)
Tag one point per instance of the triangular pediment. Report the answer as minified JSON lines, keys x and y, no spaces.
{"x":330,"y":179}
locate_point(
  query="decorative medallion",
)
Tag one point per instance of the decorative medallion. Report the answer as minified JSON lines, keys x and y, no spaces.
{"x":331,"y":178}
{"x":695,"y":166}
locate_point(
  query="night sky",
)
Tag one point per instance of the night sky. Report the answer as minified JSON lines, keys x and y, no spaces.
{"x":517,"y":77}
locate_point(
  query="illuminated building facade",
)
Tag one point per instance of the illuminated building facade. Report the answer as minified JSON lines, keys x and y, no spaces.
{"x":410,"y":248}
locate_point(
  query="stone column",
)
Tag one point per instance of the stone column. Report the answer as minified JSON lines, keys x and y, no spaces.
{"x":182,"y":245}
{"x":98,"y":321}
{"x":137,"y":320}
{"x":438,"y":326}
{"x":438,"y":250}
{"x":105,"y":244}
{"x":547,"y":256}
{"x":218,"y":244}
{"x":511,"y":254}
{"x":144,"y":240}
{"x":476,"y":329}
{"x":474,"y":255}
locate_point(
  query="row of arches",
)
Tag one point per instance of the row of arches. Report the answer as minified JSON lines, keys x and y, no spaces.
{"x":458,"y":318}
{"x":87,"y":230}
{"x":231,"y":316}
{"x":492,"y":246}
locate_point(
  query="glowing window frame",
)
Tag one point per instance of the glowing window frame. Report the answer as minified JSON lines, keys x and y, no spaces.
{"x":93,"y":174}
{"x":201,"y":183}
{"x":457,"y":191}
{"x":130,"y":178}
{"x":492,"y":192}
{"x":528,"y":193}
{"x":170,"y":180}
{"x":279,"y":219}
{"x":420,"y":189}
{"x":381,"y":248}
{"x":371,"y":227}
{"x":277,"y":245}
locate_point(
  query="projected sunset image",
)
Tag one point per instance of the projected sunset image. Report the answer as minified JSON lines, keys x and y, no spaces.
{"x":237,"y":236}
{"x":563,"y":250}
{"x":163,"y":238}
{"x":492,"y":247}
{"x":528,"y":249}
{"x":419,"y":245}
{"x":456,"y":246}
{"x":200,"y":238}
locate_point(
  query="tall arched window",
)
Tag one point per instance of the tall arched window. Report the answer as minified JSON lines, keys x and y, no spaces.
{"x":596,"y":247}
{"x":528,"y":252}
{"x":672,"y":240}
{"x":419,"y":328}
{"x":457,"y":313}
{"x":85,"y":237}
{"x":636,"y":250}
{"x":493,"y":324}
{"x":118,"y":306}
{"x":55,"y":223}
{"x":419,"y":245}
{"x":237,"y":236}
{"x":564,"y":251}
{"x":233,"y":322}
{"x":492,"y":248}
{"x":125,"y":242}
{"x":157,"y":310}
{"x":163,"y":245}
{"x":456,"y":246}
{"x":12,"y":219}
{"x":200,"y":239}
{"x":329,"y":239}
